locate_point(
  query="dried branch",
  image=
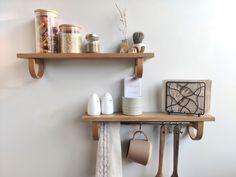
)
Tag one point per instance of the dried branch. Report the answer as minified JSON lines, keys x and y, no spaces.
{"x":123,"y":20}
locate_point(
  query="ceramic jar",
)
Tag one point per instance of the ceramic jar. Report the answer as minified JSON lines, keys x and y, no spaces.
{"x":107,"y":104}
{"x":94,"y":106}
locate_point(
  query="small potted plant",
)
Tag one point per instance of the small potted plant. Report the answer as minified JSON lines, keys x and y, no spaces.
{"x":138,"y":46}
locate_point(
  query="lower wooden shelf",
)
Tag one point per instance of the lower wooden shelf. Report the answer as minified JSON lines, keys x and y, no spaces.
{"x":195,"y":121}
{"x":147,"y":117}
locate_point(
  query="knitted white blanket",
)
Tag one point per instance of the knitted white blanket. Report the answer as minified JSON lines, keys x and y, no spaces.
{"x":109,"y":161}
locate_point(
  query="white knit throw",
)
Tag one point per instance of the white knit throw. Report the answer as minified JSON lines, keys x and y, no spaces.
{"x":109,"y":161}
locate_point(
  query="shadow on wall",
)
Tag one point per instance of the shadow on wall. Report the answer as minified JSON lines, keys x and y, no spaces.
{"x":13,"y":71}
{"x":12,"y":76}
{"x":158,"y":100}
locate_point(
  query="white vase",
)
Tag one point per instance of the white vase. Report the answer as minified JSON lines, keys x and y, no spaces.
{"x":107,"y":104}
{"x":94,"y":105}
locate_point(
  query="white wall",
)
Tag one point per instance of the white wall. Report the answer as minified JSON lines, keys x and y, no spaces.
{"x":41,"y":134}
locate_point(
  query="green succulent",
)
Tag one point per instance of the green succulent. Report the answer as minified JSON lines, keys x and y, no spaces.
{"x":138,"y":37}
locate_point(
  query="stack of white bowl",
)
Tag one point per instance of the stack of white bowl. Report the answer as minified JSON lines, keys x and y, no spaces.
{"x":132,"y":106}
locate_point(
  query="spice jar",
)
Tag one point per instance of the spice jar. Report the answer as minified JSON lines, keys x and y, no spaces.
{"x":46,"y":30}
{"x":70,"y":39}
{"x":93,"y":45}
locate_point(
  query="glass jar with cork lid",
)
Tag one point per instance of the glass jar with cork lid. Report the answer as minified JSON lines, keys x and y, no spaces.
{"x":70,"y":39}
{"x":93,"y":45}
{"x":46,"y":28}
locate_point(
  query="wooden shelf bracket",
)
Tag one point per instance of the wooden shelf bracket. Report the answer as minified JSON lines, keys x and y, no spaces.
{"x":95,"y":130}
{"x":138,"y":68}
{"x":32,"y":68}
{"x":198,"y":126}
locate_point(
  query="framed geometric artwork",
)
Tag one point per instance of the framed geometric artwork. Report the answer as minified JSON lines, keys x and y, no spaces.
{"x":187,"y":97}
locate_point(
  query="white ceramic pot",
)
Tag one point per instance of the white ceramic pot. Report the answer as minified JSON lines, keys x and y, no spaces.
{"x":139,"y":46}
{"x":94,"y":105}
{"x":107,"y":104}
{"x":132,"y":106}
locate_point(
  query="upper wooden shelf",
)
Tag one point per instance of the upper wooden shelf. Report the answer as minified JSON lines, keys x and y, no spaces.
{"x":148,"y":117}
{"x":85,"y":55}
{"x":38,"y":58}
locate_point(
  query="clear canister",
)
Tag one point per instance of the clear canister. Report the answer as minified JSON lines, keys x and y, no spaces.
{"x":46,"y":29}
{"x":93,"y":45}
{"x":70,"y":39}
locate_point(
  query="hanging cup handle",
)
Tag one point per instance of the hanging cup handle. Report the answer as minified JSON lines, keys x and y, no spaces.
{"x":141,"y":132}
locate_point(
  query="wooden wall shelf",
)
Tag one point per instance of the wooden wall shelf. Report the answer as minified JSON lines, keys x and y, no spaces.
{"x":147,"y":117}
{"x":38,"y":58}
{"x":195,"y":121}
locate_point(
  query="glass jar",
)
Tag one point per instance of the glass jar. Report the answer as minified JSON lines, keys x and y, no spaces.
{"x":93,"y":45}
{"x":70,"y":39}
{"x":46,"y":30}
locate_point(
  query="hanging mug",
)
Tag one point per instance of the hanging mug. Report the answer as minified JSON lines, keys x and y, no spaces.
{"x":139,"y":150}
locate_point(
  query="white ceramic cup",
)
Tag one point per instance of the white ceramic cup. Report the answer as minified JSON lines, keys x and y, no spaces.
{"x":132,"y":106}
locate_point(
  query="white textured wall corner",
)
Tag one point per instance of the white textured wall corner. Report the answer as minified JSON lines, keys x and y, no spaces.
{"x":40,"y":129}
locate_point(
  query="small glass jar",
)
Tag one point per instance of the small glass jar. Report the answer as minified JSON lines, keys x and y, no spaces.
{"x":70,"y":39}
{"x":46,"y":30}
{"x":93,"y":45}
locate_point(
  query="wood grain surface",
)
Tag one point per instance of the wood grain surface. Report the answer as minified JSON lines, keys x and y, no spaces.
{"x":147,"y":117}
{"x":56,"y":56}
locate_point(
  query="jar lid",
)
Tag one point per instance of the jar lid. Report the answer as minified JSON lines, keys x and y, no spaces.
{"x":92,"y":37}
{"x":69,"y":26}
{"x":45,"y":11}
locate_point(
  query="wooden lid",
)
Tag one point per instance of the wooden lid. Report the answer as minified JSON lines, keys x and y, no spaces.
{"x":92,"y":37}
{"x":69,"y":26}
{"x":45,"y":11}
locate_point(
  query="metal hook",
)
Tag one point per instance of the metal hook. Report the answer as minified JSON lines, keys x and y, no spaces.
{"x":163,"y":123}
{"x":181,"y":125}
{"x":169,"y":128}
{"x":140,"y":126}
